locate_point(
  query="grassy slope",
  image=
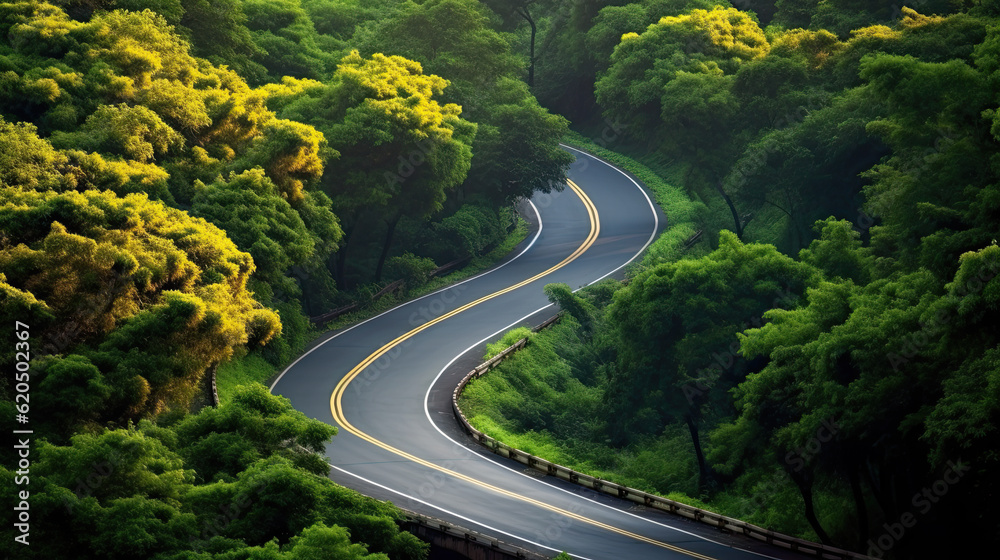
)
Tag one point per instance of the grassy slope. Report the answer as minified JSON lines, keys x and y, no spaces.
{"x":542,"y":402}
{"x":557,"y":421}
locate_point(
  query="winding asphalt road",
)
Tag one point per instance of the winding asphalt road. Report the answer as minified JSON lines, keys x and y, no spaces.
{"x":387,"y":384}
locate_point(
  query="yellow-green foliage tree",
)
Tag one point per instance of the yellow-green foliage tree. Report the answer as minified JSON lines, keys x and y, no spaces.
{"x":31,"y":162}
{"x":249,"y":207}
{"x":28,"y":161}
{"x":516,"y":145}
{"x":160,"y":294}
{"x":124,"y":85}
{"x":714,"y":42}
{"x":400,"y":150}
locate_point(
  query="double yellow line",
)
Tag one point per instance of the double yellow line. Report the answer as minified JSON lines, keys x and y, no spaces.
{"x":337,"y":409}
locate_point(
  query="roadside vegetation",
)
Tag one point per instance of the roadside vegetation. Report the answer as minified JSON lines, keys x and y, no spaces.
{"x":824,"y":355}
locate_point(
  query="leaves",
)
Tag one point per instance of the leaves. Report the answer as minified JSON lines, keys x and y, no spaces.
{"x":155,"y":284}
{"x":135,"y":133}
{"x":703,"y":41}
{"x":132,"y":492}
{"x":221,"y":443}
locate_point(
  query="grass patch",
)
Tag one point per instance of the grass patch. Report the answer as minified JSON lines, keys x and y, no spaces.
{"x":250,"y":368}
{"x":508,"y":340}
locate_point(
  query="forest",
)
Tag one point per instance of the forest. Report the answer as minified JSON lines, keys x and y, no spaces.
{"x":810,"y":346}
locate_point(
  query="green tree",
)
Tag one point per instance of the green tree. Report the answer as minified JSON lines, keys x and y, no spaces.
{"x":521,"y":10}
{"x":580,"y":309}
{"x":452,"y":38}
{"x":400,"y":150}
{"x":291,"y":153}
{"x":284,"y":42}
{"x":807,"y":168}
{"x":516,"y":146}
{"x":934,"y":110}
{"x":249,"y":207}
{"x":519,"y":151}
{"x":72,"y":393}
{"x":217,"y":31}
{"x":278,"y":501}
{"x":28,"y":161}
{"x":699,"y":111}
{"x":675,"y":328}
{"x":135,"y":133}
{"x":252,"y":425}
{"x":113,"y":271}
{"x":714,"y":41}
{"x":883,"y":362}
{"x":319,"y":542}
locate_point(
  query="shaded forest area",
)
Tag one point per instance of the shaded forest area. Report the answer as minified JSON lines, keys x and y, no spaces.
{"x":825,"y":361}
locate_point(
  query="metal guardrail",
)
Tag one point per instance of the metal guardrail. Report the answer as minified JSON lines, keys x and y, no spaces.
{"x":331,"y":315}
{"x":722,"y":522}
{"x":690,"y":241}
{"x":448,"y":267}
{"x":482,"y":539}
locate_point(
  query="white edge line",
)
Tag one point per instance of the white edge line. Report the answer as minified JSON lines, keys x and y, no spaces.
{"x":656,"y":218}
{"x":453,"y":514}
{"x":352,"y":327}
{"x":495,"y":462}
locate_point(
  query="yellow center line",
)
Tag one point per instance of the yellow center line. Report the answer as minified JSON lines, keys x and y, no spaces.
{"x":337,"y":408}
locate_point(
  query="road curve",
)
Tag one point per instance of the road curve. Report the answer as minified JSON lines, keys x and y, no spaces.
{"x":387,"y":384}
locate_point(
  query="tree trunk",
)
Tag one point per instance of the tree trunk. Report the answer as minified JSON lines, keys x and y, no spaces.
{"x":703,"y":474}
{"x":531,"y":45}
{"x":385,"y":246}
{"x":804,"y":484}
{"x":860,"y":507}
{"x":732,"y":208}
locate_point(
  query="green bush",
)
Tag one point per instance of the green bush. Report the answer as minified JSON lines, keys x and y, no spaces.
{"x":509,"y":339}
{"x":411,"y":269}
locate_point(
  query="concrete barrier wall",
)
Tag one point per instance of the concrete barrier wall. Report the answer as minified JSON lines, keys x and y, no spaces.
{"x":638,"y":496}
